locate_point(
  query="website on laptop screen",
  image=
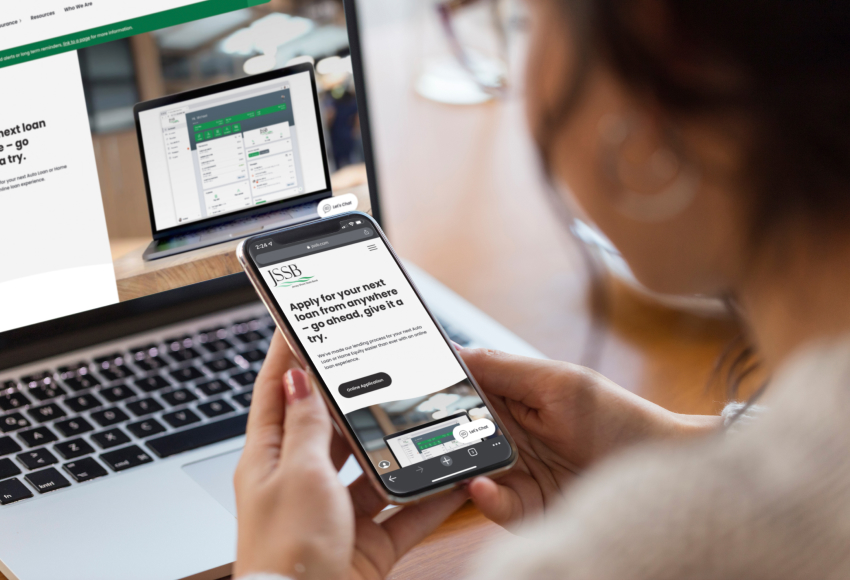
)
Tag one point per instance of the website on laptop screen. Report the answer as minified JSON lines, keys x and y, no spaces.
{"x":75,"y":213}
{"x":233,"y":150}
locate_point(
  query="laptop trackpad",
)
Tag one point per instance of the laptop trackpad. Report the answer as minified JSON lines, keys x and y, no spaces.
{"x":215,"y":475}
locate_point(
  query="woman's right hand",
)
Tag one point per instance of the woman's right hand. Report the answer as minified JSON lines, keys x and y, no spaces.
{"x":563,"y":418}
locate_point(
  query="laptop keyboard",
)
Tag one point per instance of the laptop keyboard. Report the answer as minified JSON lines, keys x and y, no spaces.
{"x":65,"y":426}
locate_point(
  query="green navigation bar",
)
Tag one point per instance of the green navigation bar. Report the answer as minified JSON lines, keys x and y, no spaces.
{"x":434,"y":441}
{"x":217,"y":132}
{"x":122,"y":29}
{"x":240,"y":117}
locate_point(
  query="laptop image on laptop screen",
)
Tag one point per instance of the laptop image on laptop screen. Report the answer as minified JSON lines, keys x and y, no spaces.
{"x":232,"y":159}
{"x":124,"y":398}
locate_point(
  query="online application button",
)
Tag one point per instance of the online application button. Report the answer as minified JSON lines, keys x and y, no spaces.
{"x":474,"y":430}
{"x":365,"y":385}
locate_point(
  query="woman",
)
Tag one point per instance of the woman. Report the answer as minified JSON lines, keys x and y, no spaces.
{"x":710,"y":140}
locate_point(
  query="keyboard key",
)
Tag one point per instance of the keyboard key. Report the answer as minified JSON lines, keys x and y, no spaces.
{"x":82,"y":382}
{"x":13,"y":490}
{"x":117,"y":393}
{"x":43,"y":378}
{"x":174,"y":443}
{"x":38,"y":436}
{"x":47,"y":480}
{"x":144,"y":407}
{"x":125,"y":458}
{"x":179,"y":397}
{"x":210,"y":334}
{"x":37,"y":458}
{"x":215,"y":408}
{"x":181,"y":418}
{"x":250,"y":336}
{"x":253,"y":356}
{"x":85,"y":469}
{"x":148,"y":358}
{"x":109,"y":416}
{"x":45,"y":392}
{"x":8,"y":445}
{"x":215,"y":387}
{"x":9,"y":385}
{"x":215,"y":346}
{"x":8,"y":469}
{"x":81,"y":403}
{"x":113,"y":367}
{"x":12,"y":422}
{"x":116,"y":373}
{"x":246,"y":378}
{"x":80,"y":368}
{"x":145,"y":428}
{"x":186,"y":374}
{"x":13,"y":401}
{"x":244,"y":399}
{"x":111,"y":438}
{"x":115,"y":359}
{"x":152,"y":383}
{"x":184,"y":354}
{"x":179,"y":343}
{"x":219,"y":365}
{"x":46,"y":413}
{"x":73,"y":448}
{"x":73,"y":427}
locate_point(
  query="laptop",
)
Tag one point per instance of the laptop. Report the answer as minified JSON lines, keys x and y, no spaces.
{"x":121,"y":422}
{"x":228,"y":160}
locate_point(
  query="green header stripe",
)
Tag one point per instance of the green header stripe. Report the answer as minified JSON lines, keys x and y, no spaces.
{"x":123,"y":29}
{"x":240,"y":117}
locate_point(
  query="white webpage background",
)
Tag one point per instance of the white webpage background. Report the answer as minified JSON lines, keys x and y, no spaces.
{"x":100,"y":13}
{"x":406,"y":452}
{"x":56,"y":259}
{"x":306,"y":123}
{"x":417,"y":366}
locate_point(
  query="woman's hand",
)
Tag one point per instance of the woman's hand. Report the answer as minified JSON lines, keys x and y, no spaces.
{"x":563,"y":418}
{"x":295,"y":517}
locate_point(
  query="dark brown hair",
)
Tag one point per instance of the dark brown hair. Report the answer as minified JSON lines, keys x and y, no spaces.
{"x":783,"y":65}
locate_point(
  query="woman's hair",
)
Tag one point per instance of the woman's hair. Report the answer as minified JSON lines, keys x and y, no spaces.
{"x":783,"y":66}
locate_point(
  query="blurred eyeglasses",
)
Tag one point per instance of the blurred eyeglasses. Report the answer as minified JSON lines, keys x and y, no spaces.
{"x":477,"y":34}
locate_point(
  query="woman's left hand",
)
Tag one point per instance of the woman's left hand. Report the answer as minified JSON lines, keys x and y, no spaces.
{"x":295,"y":517}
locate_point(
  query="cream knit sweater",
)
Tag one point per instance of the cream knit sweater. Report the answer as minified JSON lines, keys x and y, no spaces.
{"x":770,"y":500}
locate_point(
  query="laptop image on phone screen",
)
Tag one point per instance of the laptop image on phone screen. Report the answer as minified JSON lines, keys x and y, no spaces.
{"x":123,"y":404}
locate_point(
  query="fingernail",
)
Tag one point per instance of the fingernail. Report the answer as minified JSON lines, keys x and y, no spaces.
{"x":457,"y":346}
{"x":297,"y":385}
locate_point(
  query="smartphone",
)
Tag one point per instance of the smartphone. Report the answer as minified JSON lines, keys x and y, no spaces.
{"x":396,"y":387}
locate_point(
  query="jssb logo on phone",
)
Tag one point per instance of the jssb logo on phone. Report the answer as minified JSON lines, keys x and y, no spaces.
{"x":286,"y":276}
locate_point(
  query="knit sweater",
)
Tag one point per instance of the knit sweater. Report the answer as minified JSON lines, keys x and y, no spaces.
{"x":770,"y":500}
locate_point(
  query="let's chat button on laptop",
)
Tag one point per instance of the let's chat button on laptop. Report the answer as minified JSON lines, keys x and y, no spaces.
{"x":365,"y":385}
{"x":337,"y":205}
{"x":474,"y":430}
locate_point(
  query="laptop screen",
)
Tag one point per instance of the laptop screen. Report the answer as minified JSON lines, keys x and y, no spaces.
{"x":233,"y":149}
{"x":201,"y":121}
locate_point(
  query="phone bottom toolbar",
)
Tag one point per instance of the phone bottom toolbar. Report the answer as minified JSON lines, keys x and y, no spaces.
{"x":449,"y":467}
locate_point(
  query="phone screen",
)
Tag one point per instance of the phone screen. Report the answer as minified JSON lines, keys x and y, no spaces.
{"x":380,"y":355}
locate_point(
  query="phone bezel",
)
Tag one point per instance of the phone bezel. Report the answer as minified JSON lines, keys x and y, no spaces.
{"x":252,"y":270}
